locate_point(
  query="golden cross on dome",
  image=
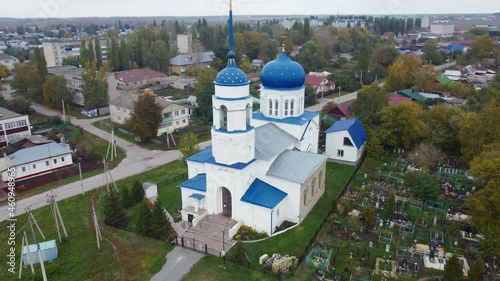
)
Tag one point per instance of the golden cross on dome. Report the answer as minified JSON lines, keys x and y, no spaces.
{"x":283,"y":38}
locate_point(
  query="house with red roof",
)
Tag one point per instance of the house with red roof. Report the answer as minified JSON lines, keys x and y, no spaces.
{"x":342,"y":110}
{"x":135,"y":78}
{"x":394,"y":99}
{"x":320,"y":84}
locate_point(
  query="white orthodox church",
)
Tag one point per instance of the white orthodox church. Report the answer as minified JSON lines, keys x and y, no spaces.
{"x":263,"y":167}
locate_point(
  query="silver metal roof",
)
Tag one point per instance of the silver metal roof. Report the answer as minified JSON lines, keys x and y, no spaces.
{"x":36,"y":153}
{"x":296,"y":166}
{"x":270,"y":141}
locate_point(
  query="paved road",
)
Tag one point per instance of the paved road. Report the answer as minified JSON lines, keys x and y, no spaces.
{"x":138,"y":160}
{"x":179,"y":262}
{"x":323,"y":101}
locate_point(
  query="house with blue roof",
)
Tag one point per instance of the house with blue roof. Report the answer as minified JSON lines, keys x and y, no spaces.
{"x":345,"y":141}
{"x":263,"y":167}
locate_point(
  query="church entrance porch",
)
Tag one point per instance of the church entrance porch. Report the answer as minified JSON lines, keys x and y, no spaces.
{"x":226,"y":202}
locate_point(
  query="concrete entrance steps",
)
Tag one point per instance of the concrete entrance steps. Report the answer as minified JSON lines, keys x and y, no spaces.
{"x":210,"y":231}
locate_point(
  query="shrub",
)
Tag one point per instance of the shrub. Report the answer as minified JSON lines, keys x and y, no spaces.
{"x":246,"y":233}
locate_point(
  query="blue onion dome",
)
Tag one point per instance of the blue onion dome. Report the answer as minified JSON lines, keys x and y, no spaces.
{"x":231,"y":75}
{"x":282,"y":73}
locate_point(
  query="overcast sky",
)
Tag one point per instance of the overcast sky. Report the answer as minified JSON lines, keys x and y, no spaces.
{"x":110,"y":8}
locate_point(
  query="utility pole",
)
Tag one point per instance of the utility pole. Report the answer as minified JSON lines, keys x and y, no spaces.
{"x":25,"y":237}
{"x":361,"y":79}
{"x":57,"y":215}
{"x":81,"y":180}
{"x":112,"y":146}
{"x":96,"y":226}
{"x":64,"y":111}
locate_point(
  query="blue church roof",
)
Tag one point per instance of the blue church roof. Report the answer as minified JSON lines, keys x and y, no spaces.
{"x":201,"y":156}
{"x":282,"y":74}
{"x":354,"y":127}
{"x":231,"y":75}
{"x":198,"y":182}
{"x":299,"y":120}
{"x":263,"y":194}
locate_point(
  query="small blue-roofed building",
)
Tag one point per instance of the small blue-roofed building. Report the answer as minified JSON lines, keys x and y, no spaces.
{"x":263,"y":167}
{"x":345,"y":141}
{"x":48,"y":251}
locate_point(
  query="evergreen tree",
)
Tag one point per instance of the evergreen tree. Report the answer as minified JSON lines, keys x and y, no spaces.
{"x":137,"y":192}
{"x":307,"y":29}
{"x":143,"y":223}
{"x":114,"y":214}
{"x":98,"y":53}
{"x":159,"y":223}
{"x":126,"y":197}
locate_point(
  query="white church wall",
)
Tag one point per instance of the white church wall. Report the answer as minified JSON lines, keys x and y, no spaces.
{"x":292,"y":209}
{"x":308,"y":201}
{"x":232,"y":92}
{"x":195,"y":168}
{"x":310,"y":141}
{"x":335,"y":148}
{"x":233,"y":179}
{"x":256,"y":217}
{"x":231,"y":148}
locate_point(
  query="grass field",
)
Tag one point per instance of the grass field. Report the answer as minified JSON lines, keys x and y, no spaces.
{"x":79,"y":259}
{"x":292,"y":242}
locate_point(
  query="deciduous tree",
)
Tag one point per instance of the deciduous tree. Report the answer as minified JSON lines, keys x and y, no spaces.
{"x":146,"y":117}
{"x":477,"y":270}
{"x":424,"y":186}
{"x":370,"y":101}
{"x":204,"y":90}
{"x":311,"y":56}
{"x":453,"y":269}
{"x":401,"y":125}
{"x":95,"y":86}
{"x":400,"y":73}
{"x":431,"y":53}
{"x":189,"y":144}
{"x":424,"y":78}
{"x":55,"y":91}
{"x":471,"y":135}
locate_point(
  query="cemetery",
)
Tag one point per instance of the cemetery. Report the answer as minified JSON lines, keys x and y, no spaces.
{"x":383,"y":230}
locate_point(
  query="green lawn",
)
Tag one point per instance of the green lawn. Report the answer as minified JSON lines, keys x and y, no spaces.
{"x":79,"y":259}
{"x":292,"y":242}
{"x":107,"y":125}
{"x":194,"y":126}
{"x":211,"y":268}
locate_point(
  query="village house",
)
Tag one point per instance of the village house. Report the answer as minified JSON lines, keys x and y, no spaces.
{"x":195,"y":61}
{"x":136,"y":78}
{"x":175,"y":116}
{"x":345,"y":141}
{"x":12,"y":125}
{"x":320,"y":83}
{"x":36,"y":161}
{"x":8,"y":61}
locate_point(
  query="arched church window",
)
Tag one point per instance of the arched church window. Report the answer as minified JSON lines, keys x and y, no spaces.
{"x":270,"y":107}
{"x":305,"y":196}
{"x":276,"y":107}
{"x":286,"y":108}
{"x":321,"y":179}
{"x":249,"y":114}
{"x":291,"y":107}
{"x":223,"y":117}
{"x":313,"y":186}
